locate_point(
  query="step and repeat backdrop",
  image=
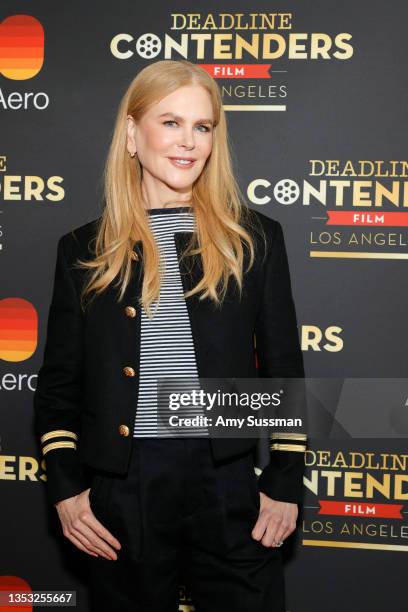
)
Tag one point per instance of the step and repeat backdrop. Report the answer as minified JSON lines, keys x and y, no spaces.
{"x":316,"y":99}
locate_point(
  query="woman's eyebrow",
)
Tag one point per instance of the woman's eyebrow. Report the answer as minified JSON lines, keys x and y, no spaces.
{"x":181,"y":118}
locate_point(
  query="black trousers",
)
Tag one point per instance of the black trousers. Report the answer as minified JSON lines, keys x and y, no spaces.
{"x":181,"y":520}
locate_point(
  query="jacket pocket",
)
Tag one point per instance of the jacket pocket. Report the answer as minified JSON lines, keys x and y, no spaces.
{"x":100,"y":496}
{"x":94,"y":489}
{"x":253,"y":483}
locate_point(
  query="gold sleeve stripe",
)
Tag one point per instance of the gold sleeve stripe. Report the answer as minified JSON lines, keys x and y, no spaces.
{"x":300,"y":448}
{"x":56,"y":433}
{"x":53,"y":445}
{"x":289,"y":436}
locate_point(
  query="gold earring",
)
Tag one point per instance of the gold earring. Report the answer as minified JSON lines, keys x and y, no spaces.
{"x":133,"y":154}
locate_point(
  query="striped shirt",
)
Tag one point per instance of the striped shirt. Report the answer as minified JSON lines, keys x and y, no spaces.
{"x":167,"y":349}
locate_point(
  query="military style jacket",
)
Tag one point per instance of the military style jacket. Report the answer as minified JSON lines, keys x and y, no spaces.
{"x":87,"y":387}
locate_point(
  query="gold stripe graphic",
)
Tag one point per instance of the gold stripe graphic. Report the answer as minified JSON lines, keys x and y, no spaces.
{"x":254,"y":107}
{"x":288,"y":447}
{"x":289,"y":436}
{"x":53,"y":445}
{"x":58,"y":432}
{"x":361,"y":255}
{"x":336,"y":544}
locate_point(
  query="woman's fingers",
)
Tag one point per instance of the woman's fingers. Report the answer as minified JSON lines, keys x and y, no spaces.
{"x":90,"y":519}
{"x":82,"y":528}
{"x":78,"y":543}
{"x":276,"y":521}
{"x":281,"y":534}
{"x":271,"y":534}
{"x":91,"y":539}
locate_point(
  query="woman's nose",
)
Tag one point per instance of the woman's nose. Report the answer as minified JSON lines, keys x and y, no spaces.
{"x":187,"y":138}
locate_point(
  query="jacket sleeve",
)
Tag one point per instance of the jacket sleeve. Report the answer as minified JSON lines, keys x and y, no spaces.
{"x":279,"y":355}
{"x":57,"y":398}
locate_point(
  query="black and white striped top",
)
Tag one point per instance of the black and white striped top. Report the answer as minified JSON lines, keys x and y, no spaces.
{"x":167,"y":349}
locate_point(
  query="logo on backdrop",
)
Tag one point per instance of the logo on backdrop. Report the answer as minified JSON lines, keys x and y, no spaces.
{"x":21,"y":468}
{"x":29,"y":188}
{"x":21,"y":59}
{"x":250,"y":53}
{"x":356,"y":499}
{"x":358,"y":209}
{"x":18,"y":329}
{"x":314,"y":338}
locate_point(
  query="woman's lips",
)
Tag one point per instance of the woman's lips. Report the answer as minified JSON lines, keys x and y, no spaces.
{"x":181,"y":165}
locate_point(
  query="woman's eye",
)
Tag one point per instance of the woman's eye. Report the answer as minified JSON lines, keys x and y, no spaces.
{"x":171,"y":121}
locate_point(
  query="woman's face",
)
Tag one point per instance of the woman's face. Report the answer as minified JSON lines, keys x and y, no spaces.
{"x":176,"y":128}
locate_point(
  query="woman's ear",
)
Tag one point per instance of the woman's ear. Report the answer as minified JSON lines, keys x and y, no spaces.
{"x":131,"y":135}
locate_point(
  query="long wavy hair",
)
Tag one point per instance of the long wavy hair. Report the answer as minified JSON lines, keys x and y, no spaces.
{"x":220,"y":209}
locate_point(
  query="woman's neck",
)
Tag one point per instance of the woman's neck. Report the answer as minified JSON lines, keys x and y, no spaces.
{"x":157,"y":195}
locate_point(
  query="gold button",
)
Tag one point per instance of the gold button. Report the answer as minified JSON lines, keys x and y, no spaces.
{"x":129,"y":371}
{"x":123,"y":430}
{"x":134,"y":256}
{"x":130,"y":311}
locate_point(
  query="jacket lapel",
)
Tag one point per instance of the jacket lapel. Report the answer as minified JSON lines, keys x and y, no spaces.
{"x":190,"y":268}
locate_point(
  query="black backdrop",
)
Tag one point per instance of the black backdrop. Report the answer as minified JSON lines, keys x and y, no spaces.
{"x":348,"y":272}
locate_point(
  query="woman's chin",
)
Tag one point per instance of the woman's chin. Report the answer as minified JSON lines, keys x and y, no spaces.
{"x":179,"y":184}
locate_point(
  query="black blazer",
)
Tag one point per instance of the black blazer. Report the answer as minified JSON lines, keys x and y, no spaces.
{"x":87,"y":387}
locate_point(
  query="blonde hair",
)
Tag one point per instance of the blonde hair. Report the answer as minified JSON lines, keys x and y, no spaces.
{"x":220,"y":209}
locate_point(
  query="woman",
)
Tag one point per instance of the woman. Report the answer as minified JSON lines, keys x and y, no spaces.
{"x":199,"y":276}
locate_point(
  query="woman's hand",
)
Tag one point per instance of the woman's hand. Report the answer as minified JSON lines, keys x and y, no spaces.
{"x":276,"y":521}
{"x":83,"y":529}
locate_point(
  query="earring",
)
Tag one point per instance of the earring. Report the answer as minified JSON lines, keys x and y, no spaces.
{"x":133,"y":154}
